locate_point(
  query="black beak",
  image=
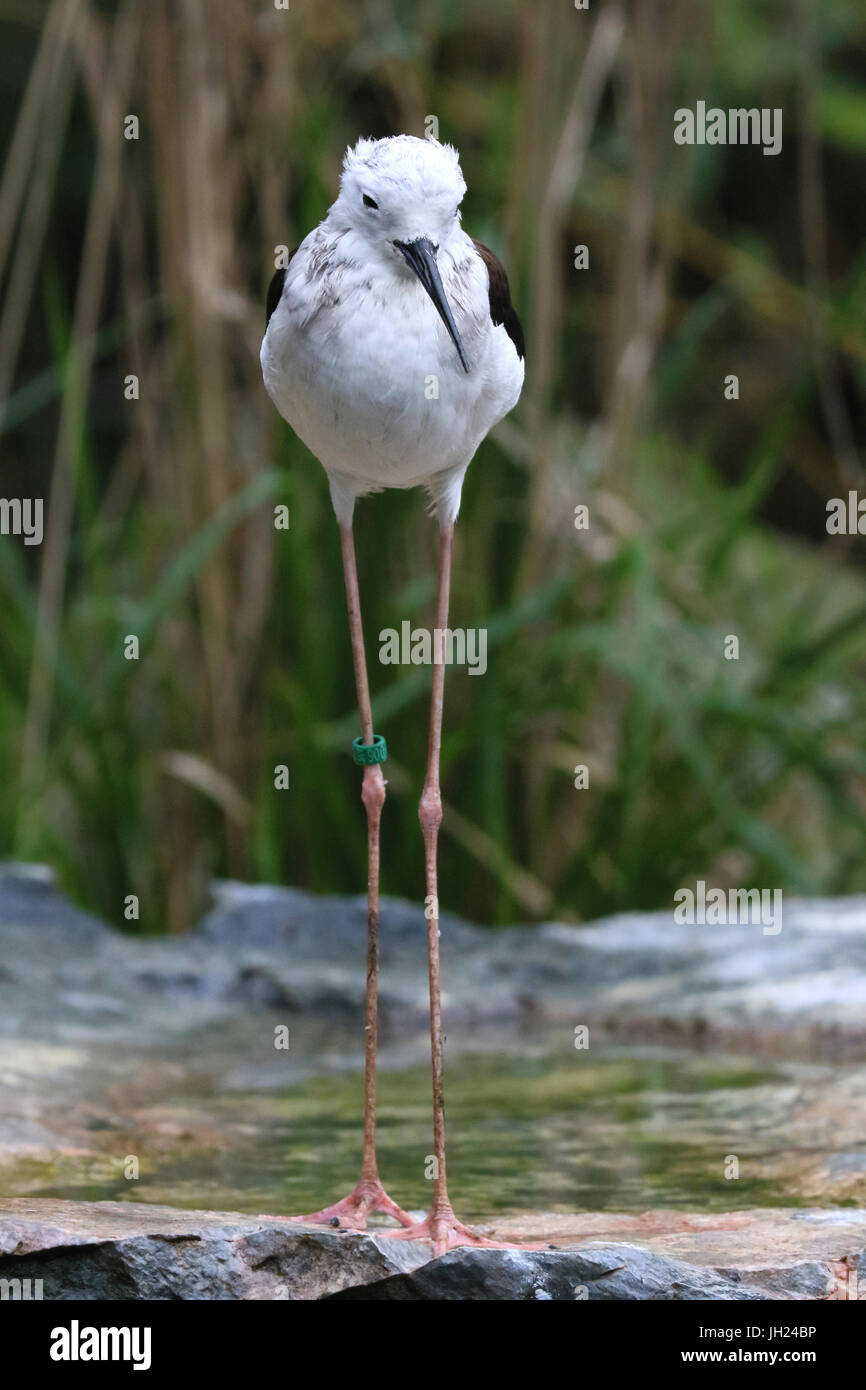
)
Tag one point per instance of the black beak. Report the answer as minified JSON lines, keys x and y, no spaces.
{"x":421,"y":256}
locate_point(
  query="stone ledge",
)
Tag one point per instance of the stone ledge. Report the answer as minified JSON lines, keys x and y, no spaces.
{"x":132,"y":1251}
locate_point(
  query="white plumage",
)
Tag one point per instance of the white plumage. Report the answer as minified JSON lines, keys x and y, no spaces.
{"x":356,"y":357}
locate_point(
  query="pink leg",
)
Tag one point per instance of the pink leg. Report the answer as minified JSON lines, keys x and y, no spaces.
{"x":368,"y":1195}
{"x":440,"y":1225}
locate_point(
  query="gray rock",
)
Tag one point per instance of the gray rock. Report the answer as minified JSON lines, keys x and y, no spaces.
{"x":635,"y":975}
{"x":126,"y":1250}
{"x":265,"y":948}
{"x":245,"y":914}
{"x":29,"y":897}
{"x":659,"y":1256}
{"x":621,"y":1272}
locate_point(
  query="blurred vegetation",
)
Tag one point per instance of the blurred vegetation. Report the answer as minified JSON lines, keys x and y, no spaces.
{"x":606,"y":645}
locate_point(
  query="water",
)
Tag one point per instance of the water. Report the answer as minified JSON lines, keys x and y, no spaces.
{"x":617,"y":1132}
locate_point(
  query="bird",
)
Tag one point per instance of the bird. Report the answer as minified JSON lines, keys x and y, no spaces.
{"x":392,"y":348}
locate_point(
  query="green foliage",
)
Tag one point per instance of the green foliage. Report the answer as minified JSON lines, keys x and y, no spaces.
{"x":605,"y":647}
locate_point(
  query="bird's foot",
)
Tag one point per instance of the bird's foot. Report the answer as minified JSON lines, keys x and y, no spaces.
{"x":445,"y":1232}
{"x":350,"y":1213}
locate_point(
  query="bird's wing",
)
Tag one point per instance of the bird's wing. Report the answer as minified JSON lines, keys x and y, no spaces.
{"x":275,"y":289}
{"x":501,"y":309}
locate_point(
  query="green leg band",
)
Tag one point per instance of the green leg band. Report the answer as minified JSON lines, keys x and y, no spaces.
{"x":365,"y":754}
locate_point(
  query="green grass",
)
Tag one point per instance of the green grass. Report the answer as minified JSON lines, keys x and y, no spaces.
{"x":605,"y":647}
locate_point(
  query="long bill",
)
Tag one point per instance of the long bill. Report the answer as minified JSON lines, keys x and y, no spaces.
{"x":421,"y":257}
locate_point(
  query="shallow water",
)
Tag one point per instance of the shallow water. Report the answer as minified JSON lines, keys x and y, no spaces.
{"x":525,"y":1133}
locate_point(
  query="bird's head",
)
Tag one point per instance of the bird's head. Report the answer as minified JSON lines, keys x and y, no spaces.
{"x":400,"y":202}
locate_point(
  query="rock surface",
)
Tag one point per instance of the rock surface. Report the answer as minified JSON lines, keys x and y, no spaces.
{"x":130,"y":1251}
{"x":636,"y":974}
{"x":65,"y":974}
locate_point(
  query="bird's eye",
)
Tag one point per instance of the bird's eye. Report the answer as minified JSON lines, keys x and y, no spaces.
{"x":370,"y":202}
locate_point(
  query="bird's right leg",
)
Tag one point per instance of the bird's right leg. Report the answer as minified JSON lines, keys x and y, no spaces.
{"x":368,"y":1195}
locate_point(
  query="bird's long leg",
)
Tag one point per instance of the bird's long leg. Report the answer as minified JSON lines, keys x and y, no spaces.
{"x":368,"y":1195}
{"x":440,"y":1225}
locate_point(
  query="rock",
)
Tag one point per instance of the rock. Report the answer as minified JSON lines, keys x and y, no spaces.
{"x":668,"y":1256}
{"x":130,"y":1251}
{"x":29,"y":897}
{"x":264,"y":916}
{"x":636,"y":976}
{"x":790,"y":1252}
{"x":127,"y":1250}
{"x":623,"y":1272}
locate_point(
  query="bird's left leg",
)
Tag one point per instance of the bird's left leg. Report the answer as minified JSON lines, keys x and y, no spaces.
{"x":368,"y":1195}
{"x":440,"y":1225}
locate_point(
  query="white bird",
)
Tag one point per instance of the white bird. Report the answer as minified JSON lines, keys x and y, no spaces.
{"x":392,"y":349}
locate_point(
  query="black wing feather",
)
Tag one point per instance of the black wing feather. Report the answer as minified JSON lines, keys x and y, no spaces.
{"x":502,"y":311}
{"x":275,"y":289}
{"x":275,"y":293}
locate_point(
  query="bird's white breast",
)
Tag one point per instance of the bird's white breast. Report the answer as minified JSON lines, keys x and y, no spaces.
{"x":358,"y":362}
